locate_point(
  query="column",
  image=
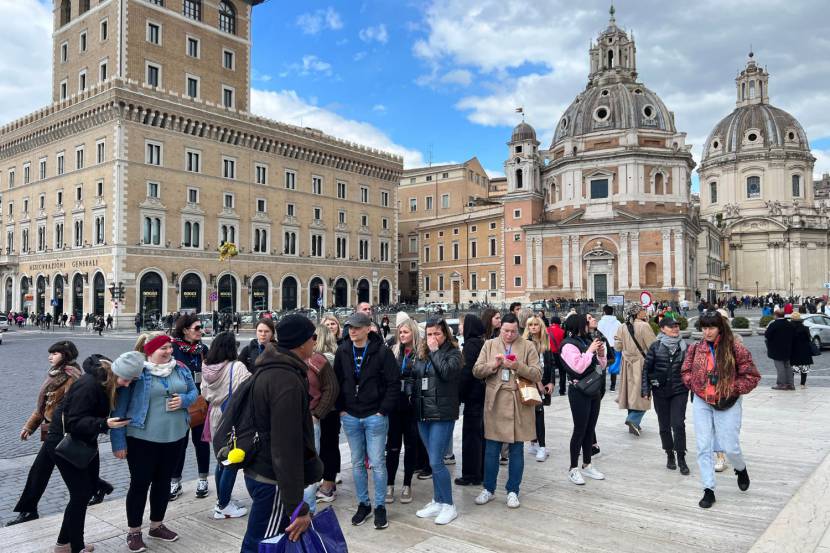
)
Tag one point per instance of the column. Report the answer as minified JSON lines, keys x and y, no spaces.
{"x":566,"y":262}
{"x":635,"y":260}
{"x":540,"y":282}
{"x":666,"y":258}
{"x":528,"y":263}
{"x":679,"y":260}
{"x":577,"y":262}
{"x":622,"y":262}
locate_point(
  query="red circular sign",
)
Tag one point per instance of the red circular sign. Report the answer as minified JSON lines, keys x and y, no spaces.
{"x":646,"y":298}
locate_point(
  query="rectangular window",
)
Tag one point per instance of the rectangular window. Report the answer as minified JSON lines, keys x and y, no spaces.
{"x":289,"y":210}
{"x":41,"y":202}
{"x":152,"y":190}
{"x":64,"y":52}
{"x":82,"y":81}
{"x":440,"y":252}
{"x":473,"y":281}
{"x":193,"y":161}
{"x":104,"y":28}
{"x":228,"y":97}
{"x":413,"y":205}
{"x":227,"y":201}
{"x":341,"y":190}
{"x":753,"y":187}
{"x":79,"y":158}
{"x":413,"y":244}
{"x":384,"y":198}
{"x":445,"y":201}
{"x":426,"y":283}
{"x":42,"y":169}
{"x":455,"y":250}
{"x":517,"y":237}
{"x":517,"y":260}
{"x":193,"y":86}
{"x":341,"y":249}
{"x":260,"y":205}
{"x":445,"y":175}
{"x":341,"y":217}
{"x":429,"y":178}
{"x":228,"y":61}
{"x":192,"y":47}
{"x":153,"y":155}
{"x":473,"y":228}
{"x":192,"y":195}
{"x":229,"y":168}
{"x":317,"y":245}
{"x":517,"y":213}
{"x":82,"y":42}
{"x":153,"y":75}
{"x":318,"y":213}
{"x":99,"y":188}
{"x":192,"y":9}
{"x":261,"y":174}
{"x":473,"y":249}
{"x":316,"y":185}
{"x":713,"y":192}
{"x":363,"y":245}
{"x":99,"y":230}
{"x":796,"y":181}
{"x":79,"y":193}
{"x":64,"y":90}
{"x":290,"y":180}
{"x":429,"y":203}
{"x":493,"y":283}
{"x":384,"y":223}
{"x":59,"y":198}
{"x":153,"y":33}
{"x":599,"y":189}
{"x":493,"y":247}
{"x":384,"y":251}
{"x":364,"y":194}
{"x":426,"y":254}
{"x":517,"y":281}
{"x":102,"y":72}
{"x":99,"y":151}
{"x":364,"y":220}
{"x":60,"y":164}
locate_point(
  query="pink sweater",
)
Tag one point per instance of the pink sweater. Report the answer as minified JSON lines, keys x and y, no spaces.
{"x":578,"y":361}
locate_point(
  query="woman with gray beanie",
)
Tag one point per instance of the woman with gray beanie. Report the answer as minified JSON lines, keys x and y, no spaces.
{"x":662,"y":380}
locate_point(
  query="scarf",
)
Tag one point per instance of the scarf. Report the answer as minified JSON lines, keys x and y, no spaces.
{"x":187,"y":347}
{"x":672,"y":343}
{"x":162,"y":371}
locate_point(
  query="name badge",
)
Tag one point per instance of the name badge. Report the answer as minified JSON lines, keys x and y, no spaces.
{"x":197,"y":377}
{"x":505,"y":375}
{"x":425,"y":384}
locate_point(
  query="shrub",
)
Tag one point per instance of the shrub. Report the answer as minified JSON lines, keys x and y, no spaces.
{"x":620,"y":318}
{"x":683,"y":322}
{"x":765,"y":320}
{"x":740,"y":322}
{"x":654,"y":327}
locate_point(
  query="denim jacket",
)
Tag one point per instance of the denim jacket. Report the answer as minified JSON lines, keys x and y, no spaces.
{"x":134,"y":401}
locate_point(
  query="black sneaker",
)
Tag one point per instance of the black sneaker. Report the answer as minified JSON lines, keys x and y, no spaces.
{"x":23,"y":517}
{"x":681,"y":464}
{"x":363,"y":512}
{"x":708,"y":499}
{"x":670,"y":462}
{"x":380,"y":518}
{"x":464,"y":481}
{"x":594,"y":451}
{"x":425,"y":474}
{"x":743,"y":479}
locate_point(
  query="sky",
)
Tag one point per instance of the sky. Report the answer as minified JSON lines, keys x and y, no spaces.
{"x":439,"y":80}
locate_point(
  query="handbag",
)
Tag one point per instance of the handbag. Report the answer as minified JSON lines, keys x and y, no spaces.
{"x":77,"y":453}
{"x":528,"y":392}
{"x":615,"y":366}
{"x":198,"y":412}
{"x":323,"y":536}
{"x":592,"y":384}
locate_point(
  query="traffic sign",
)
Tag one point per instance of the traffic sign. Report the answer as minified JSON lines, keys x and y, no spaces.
{"x":827,"y":284}
{"x":646,"y":298}
{"x":214,"y":296}
{"x":54,"y":302}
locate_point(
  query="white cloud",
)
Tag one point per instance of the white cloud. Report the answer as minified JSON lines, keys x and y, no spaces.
{"x":359,"y":56}
{"x":458,"y":76}
{"x":376,"y":34}
{"x":313,"y":22}
{"x":379,"y":108}
{"x":26,"y":42}
{"x":289,"y":107}
{"x":535,"y":54}
{"x":313,"y":64}
{"x":822,"y":163}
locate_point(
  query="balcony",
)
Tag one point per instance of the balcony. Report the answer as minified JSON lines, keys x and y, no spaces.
{"x":8,"y":261}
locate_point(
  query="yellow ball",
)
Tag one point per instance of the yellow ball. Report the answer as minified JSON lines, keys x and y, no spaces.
{"x":236,"y":455}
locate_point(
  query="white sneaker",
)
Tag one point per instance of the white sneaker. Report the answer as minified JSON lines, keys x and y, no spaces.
{"x":541,"y":454}
{"x":591,"y":472}
{"x":431,"y":510}
{"x":576,"y":477}
{"x":513,"y":500}
{"x":533,"y":448}
{"x":485,"y":497}
{"x":231,"y":510}
{"x":720,"y":462}
{"x":448,"y":514}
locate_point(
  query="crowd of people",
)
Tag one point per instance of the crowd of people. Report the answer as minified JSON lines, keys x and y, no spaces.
{"x":46,"y":321}
{"x":275,"y":411}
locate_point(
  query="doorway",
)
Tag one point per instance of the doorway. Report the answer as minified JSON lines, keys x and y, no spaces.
{"x":601,"y":288}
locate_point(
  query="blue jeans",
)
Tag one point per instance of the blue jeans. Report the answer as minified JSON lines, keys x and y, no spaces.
{"x":635,"y":416}
{"x":367,"y":436}
{"x":267,"y":517}
{"x":723,"y":427}
{"x":515,"y":466}
{"x":225,"y":480}
{"x":310,"y":493}
{"x":435,"y":436}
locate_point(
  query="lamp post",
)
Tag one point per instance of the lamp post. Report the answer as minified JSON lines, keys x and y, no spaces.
{"x":756,"y":288}
{"x":117,"y":293}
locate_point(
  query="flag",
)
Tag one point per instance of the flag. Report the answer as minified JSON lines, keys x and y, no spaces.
{"x":520,"y":110}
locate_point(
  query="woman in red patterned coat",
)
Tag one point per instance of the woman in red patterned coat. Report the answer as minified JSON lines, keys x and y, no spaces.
{"x":718,"y":370}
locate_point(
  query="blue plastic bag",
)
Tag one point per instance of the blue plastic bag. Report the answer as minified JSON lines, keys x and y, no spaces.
{"x":615,"y":366}
{"x":323,"y":536}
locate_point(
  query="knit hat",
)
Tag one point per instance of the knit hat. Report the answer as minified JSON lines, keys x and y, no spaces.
{"x":294,"y":331}
{"x":128,"y":365}
{"x":401,"y":318}
{"x":151,"y":346}
{"x":632,"y":310}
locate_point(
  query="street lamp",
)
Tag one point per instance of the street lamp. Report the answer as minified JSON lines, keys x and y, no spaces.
{"x":756,"y":288}
{"x":117,"y":293}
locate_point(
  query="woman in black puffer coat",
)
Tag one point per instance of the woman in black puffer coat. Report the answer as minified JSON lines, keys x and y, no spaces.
{"x":472,"y":396}
{"x":661,"y":379}
{"x":801,"y":354}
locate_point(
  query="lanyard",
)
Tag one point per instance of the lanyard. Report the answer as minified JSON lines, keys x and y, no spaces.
{"x":358,"y":366}
{"x":508,"y":350}
{"x":712,"y":353}
{"x":403,"y":364}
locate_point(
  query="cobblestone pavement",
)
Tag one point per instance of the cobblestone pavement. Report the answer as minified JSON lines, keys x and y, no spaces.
{"x":23,"y":364}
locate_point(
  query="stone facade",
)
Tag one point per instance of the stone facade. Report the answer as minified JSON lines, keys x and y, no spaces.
{"x":128,"y":183}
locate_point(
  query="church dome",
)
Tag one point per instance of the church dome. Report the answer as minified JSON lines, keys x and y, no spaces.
{"x":523,"y":131}
{"x":614,"y":106}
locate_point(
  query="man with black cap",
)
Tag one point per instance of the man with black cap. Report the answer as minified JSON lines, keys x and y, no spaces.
{"x":287,"y":460}
{"x":369,"y":386}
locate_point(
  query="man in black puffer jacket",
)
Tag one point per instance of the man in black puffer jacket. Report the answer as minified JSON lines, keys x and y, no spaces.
{"x":369,"y":388}
{"x":472,"y":396}
{"x":661,"y":378}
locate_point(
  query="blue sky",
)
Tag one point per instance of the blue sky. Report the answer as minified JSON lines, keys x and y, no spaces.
{"x":440,"y":79}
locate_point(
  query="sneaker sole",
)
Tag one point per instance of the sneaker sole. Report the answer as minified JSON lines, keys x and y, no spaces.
{"x":406,"y":501}
{"x":163,"y":539}
{"x":593,"y":477}
{"x":136,"y":550}
{"x":444,"y":522}
{"x":220,"y":516}
{"x":576,"y":482}
{"x":384,"y":527}
{"x":362,"y":522}
{"x":325,"y":499}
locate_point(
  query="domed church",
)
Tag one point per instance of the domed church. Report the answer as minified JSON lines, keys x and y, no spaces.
{"x":606,"y":209}
{"x":756,"y":188}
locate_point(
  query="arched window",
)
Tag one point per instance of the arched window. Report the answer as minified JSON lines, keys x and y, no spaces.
{"x":751,"y":90}
{"x":519,"y":183}
{"x":83,"y":6}
{"x":156,"y":231}
{"x":743,"y":91}
{"x":610,"y":59}
{"x":796,"y":186}
{"x":227,"y":17}
{"x":192,"y":9}
{"x":66,"y":12}
{"x":196,"y":235}
{"x":188,"y":235}
{"x":651,"y":274}
{"x":753,"y":187}
{"x":553,"y":276}
{"x":658,"y":183}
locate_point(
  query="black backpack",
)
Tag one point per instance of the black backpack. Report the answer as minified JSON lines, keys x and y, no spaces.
{"x":239,"y":425}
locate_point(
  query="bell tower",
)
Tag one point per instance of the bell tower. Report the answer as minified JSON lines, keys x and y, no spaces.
{"x":752,"y":84}
{"x":523,"y":165}
{"x":613,"y":56}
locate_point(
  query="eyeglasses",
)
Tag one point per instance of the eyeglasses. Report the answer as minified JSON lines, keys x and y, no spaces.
{"x":196,"y":328}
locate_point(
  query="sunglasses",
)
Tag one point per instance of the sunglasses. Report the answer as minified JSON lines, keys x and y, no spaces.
{"x":196,"y":328}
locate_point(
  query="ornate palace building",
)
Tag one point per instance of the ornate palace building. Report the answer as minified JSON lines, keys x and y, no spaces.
{"x":148,"y":159}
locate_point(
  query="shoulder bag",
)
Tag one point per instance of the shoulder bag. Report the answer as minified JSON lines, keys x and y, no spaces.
{"x":77,"y":453}
{"x":592,"y":384}
{"x":631,"y":333}
{"x":528,"y":392}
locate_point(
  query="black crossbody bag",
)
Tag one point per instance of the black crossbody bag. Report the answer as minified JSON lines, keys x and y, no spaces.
{"x":76,"y":452}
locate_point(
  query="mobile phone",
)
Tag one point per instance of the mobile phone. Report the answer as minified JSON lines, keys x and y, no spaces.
{"x":511,"y":357}
{"x":123,"y":419}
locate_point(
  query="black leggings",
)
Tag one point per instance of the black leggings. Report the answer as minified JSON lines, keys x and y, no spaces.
{"x":330,"y":445}
{"x":82,"y":484}
{"x":585,"y":412}
{"x":151,"y":467}
{"x":472,"y":442}
{"x":403,"y":430}
{"x":540,"y":425}
{"x":671,"y":417}
{"x":202,"y":453}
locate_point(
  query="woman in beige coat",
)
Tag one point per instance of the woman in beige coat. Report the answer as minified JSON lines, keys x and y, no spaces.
{"x":633,"y":347}
{"x":506,"y":421}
